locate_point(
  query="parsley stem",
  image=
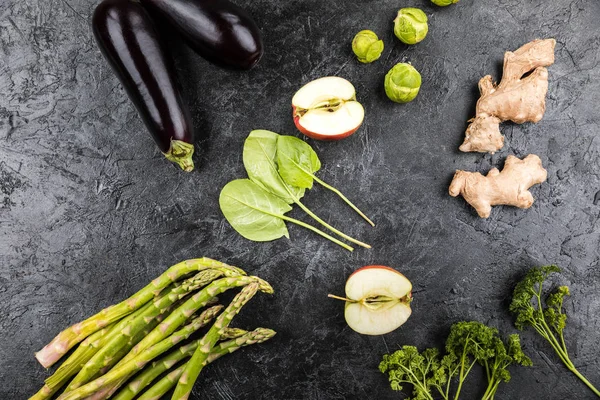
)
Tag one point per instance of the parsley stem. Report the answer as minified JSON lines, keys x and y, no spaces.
{"x":417,"y":383}
{"x":490,"y":392}
{"x":463,"y":373}
{"x":584,"y":380}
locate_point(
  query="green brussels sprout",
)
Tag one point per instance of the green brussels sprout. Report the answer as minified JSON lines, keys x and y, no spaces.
{"x":443,"y":3}
{"x":410,"y":26}
{"x":367,"y":46}
{"x":402,"y":83}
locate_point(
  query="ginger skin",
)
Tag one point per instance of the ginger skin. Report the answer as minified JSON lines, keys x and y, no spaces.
{"x":509,"y":187}
{"x":515,"y":99}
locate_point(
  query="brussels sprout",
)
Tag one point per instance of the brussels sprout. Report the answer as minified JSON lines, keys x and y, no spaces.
{"x":410,"y":26}
{"x":443,"y":3}
{"x":367,"y":46}
{"x":402,"y":83}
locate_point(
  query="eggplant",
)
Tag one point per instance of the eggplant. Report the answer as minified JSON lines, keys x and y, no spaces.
{"x":217,"y":30}
{"x":129,"y":41}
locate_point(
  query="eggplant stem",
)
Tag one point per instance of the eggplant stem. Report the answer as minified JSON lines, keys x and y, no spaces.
{"x":181,"y":153}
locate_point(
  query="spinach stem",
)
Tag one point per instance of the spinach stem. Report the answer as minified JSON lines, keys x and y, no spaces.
{"x":336,"y":191}
{"x":331,"y":228}
{"x":315,"y":230}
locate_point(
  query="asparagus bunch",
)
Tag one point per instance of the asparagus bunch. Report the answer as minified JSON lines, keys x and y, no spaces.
{"x":122,"y":341}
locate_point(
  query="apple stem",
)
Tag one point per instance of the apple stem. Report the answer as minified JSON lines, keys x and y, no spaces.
{"x":333,"y":296}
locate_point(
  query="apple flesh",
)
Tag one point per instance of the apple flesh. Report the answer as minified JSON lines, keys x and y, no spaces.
{"x":377,"y":300}
{"x":326,"y":109}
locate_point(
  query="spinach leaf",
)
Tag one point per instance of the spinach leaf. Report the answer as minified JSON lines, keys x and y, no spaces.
{"x":252,"y":211}
{"x":298,"y":162}
{"x":260,"y":149}
{"x":259,"y":215}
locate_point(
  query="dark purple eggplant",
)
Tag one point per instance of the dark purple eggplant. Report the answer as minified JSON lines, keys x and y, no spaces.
{"x":129,"y":41}
{"x":218,"y":30}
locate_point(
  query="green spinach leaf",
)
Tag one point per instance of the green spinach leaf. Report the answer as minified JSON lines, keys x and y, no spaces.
{"x":297,"y":161}
{"x":252,"y":211}
{"x":259,"y":215}
{"x":260,"y":149}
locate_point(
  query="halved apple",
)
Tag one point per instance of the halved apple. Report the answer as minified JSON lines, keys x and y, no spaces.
{"x":377,"y":300}
{"x":326,"y":109}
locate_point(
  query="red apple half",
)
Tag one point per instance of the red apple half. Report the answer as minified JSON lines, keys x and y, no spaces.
{"x":377,"y":300}
{"x":326,"y":109}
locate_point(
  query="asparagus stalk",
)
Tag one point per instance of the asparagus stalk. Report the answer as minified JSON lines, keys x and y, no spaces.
{"x":161,"y":387}
{"x":149,"y":374}
{"x":108,"y":355}
{"x":157,"y":368}
{"x":68,"y":338}
{"x":197,"y":301}
{"x":200,"y":356}
{"x":257,"y":336}
{"x":232,"y":333}
{"x":132,"y":342}
{"x":82,"y":355}
{"x":92,"y":344}
{"x":119,"y":372}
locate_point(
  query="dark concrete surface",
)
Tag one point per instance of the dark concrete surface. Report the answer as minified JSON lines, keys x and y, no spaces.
{"x":91,"y":211}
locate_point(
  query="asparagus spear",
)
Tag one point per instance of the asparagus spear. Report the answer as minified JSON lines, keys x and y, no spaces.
{"x":118,"y":373}
{"x":68,"y":338}
{"x":157,"y":368}
{"x":82,"y":355}
{"x":132,"y":342}
{"x":257,"y":336}
{"x":232,"y":333}
{"x":197,"y":301}
{"x":163,"y":386}
{"x":198,"y":360}
{"x":107,"y":355}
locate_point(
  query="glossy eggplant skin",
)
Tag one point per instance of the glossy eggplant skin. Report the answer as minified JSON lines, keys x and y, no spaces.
{"x":129,"y":40}
{"x":218,"y":30}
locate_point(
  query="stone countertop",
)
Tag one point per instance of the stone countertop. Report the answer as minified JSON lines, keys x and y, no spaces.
{"x":90,"y":211}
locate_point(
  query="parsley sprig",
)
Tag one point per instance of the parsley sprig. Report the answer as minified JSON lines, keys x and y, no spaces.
{"x":547,"y":318}
{"x":468,"y":343}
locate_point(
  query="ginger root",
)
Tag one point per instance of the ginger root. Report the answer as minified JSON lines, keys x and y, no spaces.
{"x":515,"y":99}
{"x":509,"y":187}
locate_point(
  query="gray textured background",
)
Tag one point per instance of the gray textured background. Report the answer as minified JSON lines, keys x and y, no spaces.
{"x":91,"y":211}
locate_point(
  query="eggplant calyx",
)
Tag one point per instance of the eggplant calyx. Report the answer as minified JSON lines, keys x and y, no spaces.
{"x":181,"y":154}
